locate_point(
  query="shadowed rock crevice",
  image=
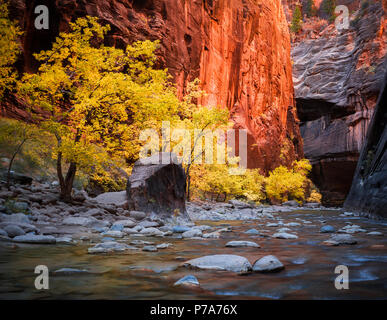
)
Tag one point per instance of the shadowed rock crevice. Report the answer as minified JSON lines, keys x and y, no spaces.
{"x":337,"y":77}
{"x":369,"y":186}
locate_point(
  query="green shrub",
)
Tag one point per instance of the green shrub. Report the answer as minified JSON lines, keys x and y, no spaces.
{"x":284,"y":184}
{"x":296,"y":20}
{"x":328,"y":7}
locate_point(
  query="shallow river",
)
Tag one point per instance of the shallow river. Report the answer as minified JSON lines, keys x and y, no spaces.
{"x":308,"y":274}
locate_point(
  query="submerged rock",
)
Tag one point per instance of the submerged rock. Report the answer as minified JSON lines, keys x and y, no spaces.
{"x":339,"y":239}
{"x":163,"y":245}
{"x":203,"y":227}
{"x":351,"y":229}
{"x":327,"y":229}
{"x":64,"y":240}
{"x":236,"y":244}
{"x":268,"y":264}
{"x":108,"y":239}
{"x":272,"y":225}
{"x":32,"y":238}
{"x":149,"y":249}
{"x":69,"y":272}
{"x":110,"y":246}
{"x":292,"y":224}
{"x":192,"y":233}
{"x":189,"y":280}
{"x":375,"y":233}
{"x":180,"y":229}
{"x":284,"y":235}
{"x":211,"y":235}
{"x":252,"y":232}
{"x":225,"y":262}
{"x":141,"y":242}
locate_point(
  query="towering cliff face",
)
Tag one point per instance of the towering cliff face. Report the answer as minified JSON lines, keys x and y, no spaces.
{"x":239,"y":49}
{"x":337,"y":77}
{"x":369,"y":186}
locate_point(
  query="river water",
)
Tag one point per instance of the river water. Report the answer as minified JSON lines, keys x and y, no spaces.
{"x":308,"y":274}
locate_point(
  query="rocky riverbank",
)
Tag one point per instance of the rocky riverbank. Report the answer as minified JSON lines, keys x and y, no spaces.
{"x":33,"y":214}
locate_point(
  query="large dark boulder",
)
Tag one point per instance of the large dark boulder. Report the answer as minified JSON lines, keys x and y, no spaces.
{"x":17,"y":178}
{"x":368,"y":193}
{"x":158,"y":186}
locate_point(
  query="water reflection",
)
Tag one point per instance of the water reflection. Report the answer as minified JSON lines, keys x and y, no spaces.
{"x":308,"y":274}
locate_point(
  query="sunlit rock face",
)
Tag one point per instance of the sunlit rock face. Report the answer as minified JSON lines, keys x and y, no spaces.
{"x":245,"y":66}
{"x":337,"y":78}
{"x":239,"y":49}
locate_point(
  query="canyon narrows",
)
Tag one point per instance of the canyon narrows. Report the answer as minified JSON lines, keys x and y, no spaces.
{"x":240,"y":50}
{"x":337,"y":79}
{"x":103,"y":119}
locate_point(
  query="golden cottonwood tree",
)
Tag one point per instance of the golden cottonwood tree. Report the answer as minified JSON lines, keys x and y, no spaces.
{"x":284,"y":183}
{"x":9,"y":49}
{"x":204,"y":121}
{"x":216,"y":180}
{"x":95,"y":99}
{"x":18,"y":138}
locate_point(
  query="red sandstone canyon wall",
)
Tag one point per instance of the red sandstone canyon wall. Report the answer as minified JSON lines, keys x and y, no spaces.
{"x":240,"y":50}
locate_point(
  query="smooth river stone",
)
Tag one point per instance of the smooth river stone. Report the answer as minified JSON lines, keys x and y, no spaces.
{"x":327,"y":229}
{"x":38,"y":239}
{"x":338,"y":239}
{"x":252,"y":232}
{"x":189,"y":280}
{"x":237,"y":244}
{"x":69,"y":271}
{"x":268,"y":264}
{"x":111,"y":246}
{"x":284,"y":235}
{"x":221,"y":262}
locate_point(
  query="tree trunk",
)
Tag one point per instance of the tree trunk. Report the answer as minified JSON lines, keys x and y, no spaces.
{"x":65,"y":192}
{"x":188,"y":179}
{"x":66,"y":184}
{"x":11,"y":162}
{"x":188,"y":188}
